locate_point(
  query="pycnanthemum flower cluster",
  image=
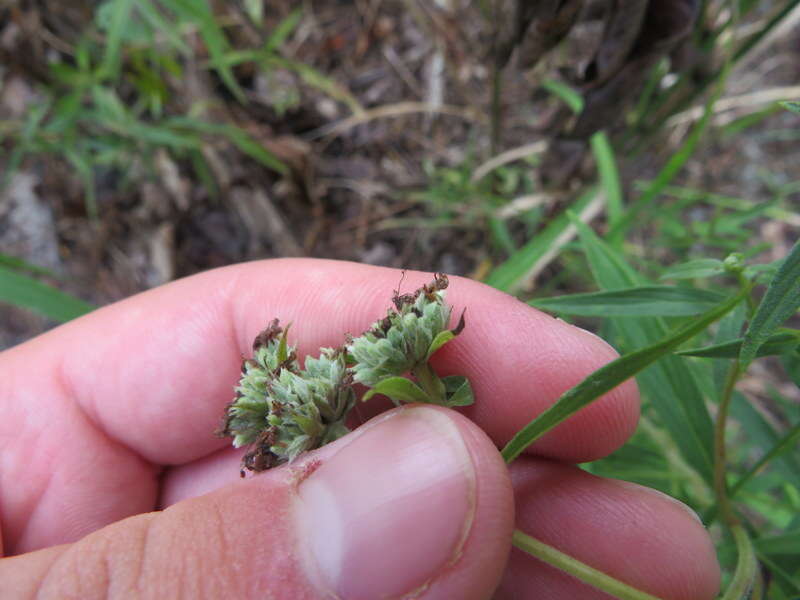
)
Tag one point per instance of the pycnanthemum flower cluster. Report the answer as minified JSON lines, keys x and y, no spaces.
{"x":283,"y":410}
{"x":401,"y":341}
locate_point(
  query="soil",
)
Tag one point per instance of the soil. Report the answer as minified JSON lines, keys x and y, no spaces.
{"x":360,"y":186}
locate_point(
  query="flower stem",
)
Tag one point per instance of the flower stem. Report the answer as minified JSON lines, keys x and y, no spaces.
{"x":720,"y":453}
{"x":430,"y":382}
{"x":585,"y":573}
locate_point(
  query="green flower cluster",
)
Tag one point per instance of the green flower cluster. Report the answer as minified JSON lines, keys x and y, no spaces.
{"x":285,"y":410}
{"x":402,"y":341}
{"x":282,"y":410}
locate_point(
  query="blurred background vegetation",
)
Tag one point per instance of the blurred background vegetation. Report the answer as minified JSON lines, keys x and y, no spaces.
{"x":146,"y":140}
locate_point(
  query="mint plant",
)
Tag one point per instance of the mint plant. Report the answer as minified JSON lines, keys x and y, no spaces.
{"x":282,"y":409}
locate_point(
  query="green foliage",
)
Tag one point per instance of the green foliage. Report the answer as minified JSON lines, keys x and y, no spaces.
{"x":26,"y":292}
{"x":106,"y":108}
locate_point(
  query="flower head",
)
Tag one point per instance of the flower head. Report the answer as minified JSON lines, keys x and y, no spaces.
{"x":285,"y":410}
{"x":398,"y":343}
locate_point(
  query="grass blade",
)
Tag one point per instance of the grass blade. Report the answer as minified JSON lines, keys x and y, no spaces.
{"x":674,"y":164}
{"x":565,"y":93}
{"x":283,"y":30}
{"x":669,"y":385}
{"x":22,"y":291}
{"x":779,"y":303}
{"x":787,"y":442}
{"x":120,"y":19}
{"x":642,"y":301}
{"x":610,"y":376}
{"x":609,"y":176}
{"x":778,"y":343}
{"x":509,"y":275}
{"x":17,"y":264}
{"x":214,"y":38}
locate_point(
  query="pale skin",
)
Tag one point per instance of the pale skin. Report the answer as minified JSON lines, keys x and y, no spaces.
{"x":109,"y":419}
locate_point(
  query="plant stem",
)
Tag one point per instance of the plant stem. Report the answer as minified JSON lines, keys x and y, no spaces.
{"x":746,"y":566}
{"x":583,"y":572}
{"x":720,"y":486}
{"x":746,"y":563}
{"x":430,"y":382}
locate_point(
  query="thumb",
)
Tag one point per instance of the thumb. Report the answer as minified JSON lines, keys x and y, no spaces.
{"x":416,"y":503}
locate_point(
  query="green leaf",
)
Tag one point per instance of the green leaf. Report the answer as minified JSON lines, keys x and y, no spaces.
{"x":786,"y":543}
{"x":642,"y":301}
{"x":440,"y":340}
{"x":791,"y":105}
{"x":236,"y":135}
{"x":674,"y":164}
{"x":610,"y":376}
{"x":783,"y":445}
{"x":565,"y":93}
{"x":778,"y":343}
{"x":25,"y":292}
{"x":399,"y":389}
{"x":458,"y":390}
{"x":669,"y":385}
{"x":509,"y":275}
{"x":17,"y":264}
{"x":779,"y":303}
{"x":695,"y":269}
{"x":283,"y":346}
{"x":214,"y":37}
{"x":763,"y":435}
{"x":609,"y":175}
{"x":119,"y":12}
{"x":283,"y":30}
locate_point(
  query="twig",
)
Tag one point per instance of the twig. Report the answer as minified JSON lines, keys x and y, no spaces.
{"x":508,"y":156}
{"x":394,"y":110}
{"x":732,"y":102}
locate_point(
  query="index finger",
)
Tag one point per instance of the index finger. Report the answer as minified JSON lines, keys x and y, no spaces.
{"x":154,"y":372}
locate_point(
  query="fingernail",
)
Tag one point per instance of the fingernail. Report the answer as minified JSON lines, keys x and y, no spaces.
{"x":662,"y":495}
{"x":390,"y":509}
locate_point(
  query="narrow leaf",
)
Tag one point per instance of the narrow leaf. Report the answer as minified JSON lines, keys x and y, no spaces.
{"x":791,"y":105}
{"x":779,"y":303}
{"x":565,"y":93}
{"x":642,"y":301}
{"x":786,"y":443}
{"x":440,"y":340}
{"x":778,"y":343}
{"x":283,"y":30}
{"x":509,"y":275}
{"x":787,"y":543}
{"x":399,"y":389}
{"x":695,"y":269}
{"x":669,"y":385}
{"x":34,"y":295}
{"x":608,"y":377}
{"x":120,"y":20}
{"x":609,"y":175}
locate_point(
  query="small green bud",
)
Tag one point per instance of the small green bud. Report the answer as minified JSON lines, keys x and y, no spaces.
{"x":734,"y":263}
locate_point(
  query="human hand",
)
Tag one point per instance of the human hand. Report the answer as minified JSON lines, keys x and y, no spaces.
{"x":110,"y":417}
